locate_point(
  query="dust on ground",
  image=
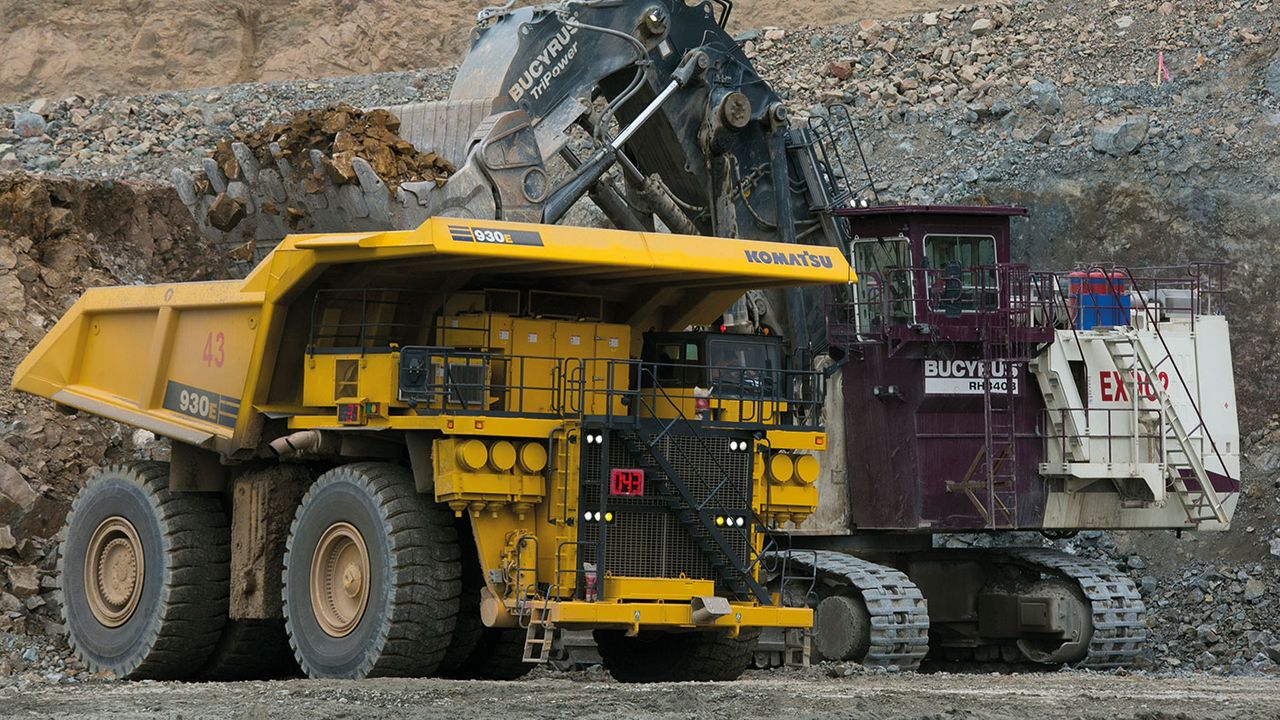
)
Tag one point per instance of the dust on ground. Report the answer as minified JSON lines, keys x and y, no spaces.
{"x":793,"y":694}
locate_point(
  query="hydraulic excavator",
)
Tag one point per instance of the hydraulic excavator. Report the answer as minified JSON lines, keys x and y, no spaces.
{"x":966,"y":393}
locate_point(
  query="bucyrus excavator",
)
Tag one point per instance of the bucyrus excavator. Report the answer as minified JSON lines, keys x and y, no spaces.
{"x":964,"y":392}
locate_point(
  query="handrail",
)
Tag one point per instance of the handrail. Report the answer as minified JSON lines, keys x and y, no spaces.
{"x":724,"y":478}
{"x":762,"y":396}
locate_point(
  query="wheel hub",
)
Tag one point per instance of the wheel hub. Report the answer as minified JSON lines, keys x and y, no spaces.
{"x":114,"y":571}
{"x":340,"y":579}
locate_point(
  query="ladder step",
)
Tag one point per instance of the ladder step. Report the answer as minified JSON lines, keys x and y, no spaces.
{"x":538,"y":639}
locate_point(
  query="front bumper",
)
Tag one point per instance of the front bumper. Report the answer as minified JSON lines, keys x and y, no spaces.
{"x":637,"y":616}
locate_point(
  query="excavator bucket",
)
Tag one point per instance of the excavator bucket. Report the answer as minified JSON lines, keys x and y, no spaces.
{"x":335,"y":170}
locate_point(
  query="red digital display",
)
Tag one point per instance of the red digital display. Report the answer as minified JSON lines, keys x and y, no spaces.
{"x":626,"y":481}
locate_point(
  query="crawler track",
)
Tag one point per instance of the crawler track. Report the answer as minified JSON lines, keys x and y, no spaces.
{"x":899,"y":612}
{"x":1119,"y":615}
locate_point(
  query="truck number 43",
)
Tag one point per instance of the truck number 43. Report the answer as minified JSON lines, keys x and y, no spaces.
{"x":215,"y":350}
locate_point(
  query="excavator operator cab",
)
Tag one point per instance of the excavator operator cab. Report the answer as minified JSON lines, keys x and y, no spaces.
{"x":925,"y":267}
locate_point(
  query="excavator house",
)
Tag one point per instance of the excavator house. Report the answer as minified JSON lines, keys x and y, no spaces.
{"x":972,"y":394}
{"x":427,"y":451}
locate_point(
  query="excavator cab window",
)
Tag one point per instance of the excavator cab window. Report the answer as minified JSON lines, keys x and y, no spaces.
{"x":962,"y":277}
{"x":884,"y":281}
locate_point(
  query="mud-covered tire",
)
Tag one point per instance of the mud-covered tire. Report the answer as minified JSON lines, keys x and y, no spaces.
{"x":182,"y":602}
{"x":413,"y":583}
{"x":251,"y":650}
{"x":675,"y":657}
{"x":477,"y":652}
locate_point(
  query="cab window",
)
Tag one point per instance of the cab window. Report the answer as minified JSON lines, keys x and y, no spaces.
{"x":677,"y":364}
{"x":884,"y":282}
{"x":961,"y":279}
{"x":744,"y":368}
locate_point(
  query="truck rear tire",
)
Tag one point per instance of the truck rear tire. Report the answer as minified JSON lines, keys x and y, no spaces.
{"x":144,"y":574}
{"x":469,"y":628}
{"x":371,"y":576}
{"x":675,"y":657}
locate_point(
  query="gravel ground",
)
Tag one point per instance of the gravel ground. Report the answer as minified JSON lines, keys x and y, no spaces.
{"x":800,"y":694}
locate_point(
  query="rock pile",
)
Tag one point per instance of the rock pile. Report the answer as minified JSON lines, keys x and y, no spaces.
{"x":341,"y":133}
{"x":1215,"y":617}
{"x":320,"y":145}
{"x":144,"y":137}
{"x":29,"y":599}
{"x":27,"y":659}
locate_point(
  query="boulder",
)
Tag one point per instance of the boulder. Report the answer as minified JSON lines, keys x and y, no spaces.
{"x":226,"y":212}
{"x":1271,"y":81}
{"x":1121,"y":137}
{"x":28,"y":124}
{"x":1044,"y":96}
{"x":840,"y":70}
{"x":12,"y":484}
{"x":24,"y":581}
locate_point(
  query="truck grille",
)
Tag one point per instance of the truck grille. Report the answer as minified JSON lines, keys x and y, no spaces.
{"x":646,"y":539}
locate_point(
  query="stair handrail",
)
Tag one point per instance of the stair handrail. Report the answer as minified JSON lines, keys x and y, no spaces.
{"x":712,"y":530}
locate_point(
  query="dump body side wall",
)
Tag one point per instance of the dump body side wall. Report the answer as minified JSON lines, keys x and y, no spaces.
{"x":173,"y":359}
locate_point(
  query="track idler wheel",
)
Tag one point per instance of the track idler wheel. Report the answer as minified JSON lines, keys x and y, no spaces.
{"x":1072,"y":616}
{"x":144,"y":574}
{"x":372,"y":576}
{"x":842,"y":628}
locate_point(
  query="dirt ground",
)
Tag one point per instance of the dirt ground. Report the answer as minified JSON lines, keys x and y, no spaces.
{"x":795,"y":695}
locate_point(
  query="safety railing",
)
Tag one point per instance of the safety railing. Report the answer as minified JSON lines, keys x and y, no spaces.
{"x":367,"y":319}
{"x":1188,"y":290}
{"x":437,"y":380}
{"x":732,"y":393}
{"x":1116,"y":435}
{"x":956,"y":303}
{"x":1206,"y":283}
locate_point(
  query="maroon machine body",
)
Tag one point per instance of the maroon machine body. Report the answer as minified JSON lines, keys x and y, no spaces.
{"x":939,"y":334}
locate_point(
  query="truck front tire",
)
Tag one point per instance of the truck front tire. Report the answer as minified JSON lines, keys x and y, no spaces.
{"x":675,"y":657}
{"x":371,"y":576}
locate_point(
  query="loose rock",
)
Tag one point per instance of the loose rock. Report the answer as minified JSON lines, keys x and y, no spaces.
{"x":1121,"y":137}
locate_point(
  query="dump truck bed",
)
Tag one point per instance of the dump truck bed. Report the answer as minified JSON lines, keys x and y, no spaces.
{"x":196,"y":361}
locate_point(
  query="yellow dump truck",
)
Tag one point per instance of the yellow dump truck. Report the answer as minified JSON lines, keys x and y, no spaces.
{"x":423,"y":452}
